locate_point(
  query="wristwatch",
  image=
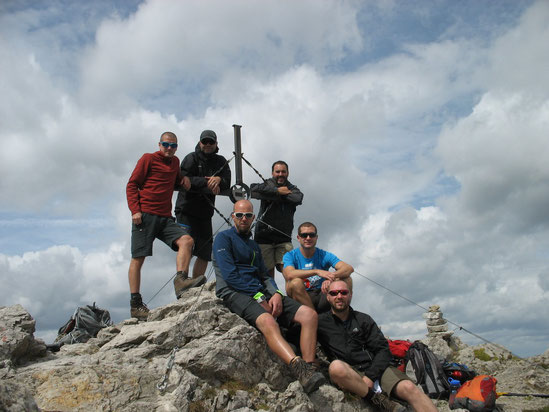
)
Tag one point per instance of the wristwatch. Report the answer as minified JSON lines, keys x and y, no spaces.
{"x":260,"y":297}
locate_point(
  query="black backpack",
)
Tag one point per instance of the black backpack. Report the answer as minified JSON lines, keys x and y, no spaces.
{"x":423,"y":366}
{"x":83,"y":325}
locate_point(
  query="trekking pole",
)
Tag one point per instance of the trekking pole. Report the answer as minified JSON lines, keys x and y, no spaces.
{"x":537,"y":395}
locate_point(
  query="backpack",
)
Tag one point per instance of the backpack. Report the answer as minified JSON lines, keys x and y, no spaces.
{"x":476,"y":395}
{"x":83,"y":325}
{"x":398,"y":349}
{"x":423,"y":367}
{"x":458,"y":371}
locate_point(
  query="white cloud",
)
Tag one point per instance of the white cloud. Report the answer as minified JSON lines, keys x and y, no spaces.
{"x":372,"y":147}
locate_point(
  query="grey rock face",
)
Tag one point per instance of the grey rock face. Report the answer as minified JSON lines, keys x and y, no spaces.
{"x":17,"y":343}
{"x":219,"y":363}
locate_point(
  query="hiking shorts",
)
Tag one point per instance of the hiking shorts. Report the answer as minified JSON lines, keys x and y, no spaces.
{"x":390,"y":378}
{"x":319,"y":300}
{"x":201,"y":231}
{"x":248,"y":309}
{"x":272,"y":254}
{"x":154,"y":227}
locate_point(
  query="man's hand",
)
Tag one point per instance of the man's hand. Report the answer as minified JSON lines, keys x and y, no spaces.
{"x":213,"y":184}
{"x":136,"y":218}
{"x":276,"y":303}
{"x":326,"y":274}
{"x":267,"y":306}
{"x":186,"y":183}
{"x":325,"y":286}
{"x":283,"y":190}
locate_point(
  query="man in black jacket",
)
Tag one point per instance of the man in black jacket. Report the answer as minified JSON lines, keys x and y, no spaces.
{"x":209,"y":173}
{"x":279,"y":200}
{"x":360,"y":356}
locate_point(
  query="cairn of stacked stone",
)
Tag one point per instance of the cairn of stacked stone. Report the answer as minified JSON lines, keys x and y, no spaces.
{"x":437,"y":327}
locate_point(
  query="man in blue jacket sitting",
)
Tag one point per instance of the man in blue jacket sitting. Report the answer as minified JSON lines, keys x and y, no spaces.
{"x":242,"y":281}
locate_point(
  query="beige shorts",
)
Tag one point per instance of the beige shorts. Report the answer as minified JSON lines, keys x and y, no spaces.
{"x":272,"y":254}
{"x":389,"y":379}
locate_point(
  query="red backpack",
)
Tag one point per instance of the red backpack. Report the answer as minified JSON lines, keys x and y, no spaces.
{"x":476,"y":395}
{"x":398,"y":349}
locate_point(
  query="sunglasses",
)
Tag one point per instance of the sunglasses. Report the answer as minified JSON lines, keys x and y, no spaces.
{"x":207,"y":141}
{"x":337,"y":292}
{"x":312,"y":235}
{"x":168,"y":144}
{"x":240,"y":215}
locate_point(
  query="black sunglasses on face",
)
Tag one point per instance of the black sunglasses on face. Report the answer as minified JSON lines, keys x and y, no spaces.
{"x":306,"y":235}
{"x":207,"y":141}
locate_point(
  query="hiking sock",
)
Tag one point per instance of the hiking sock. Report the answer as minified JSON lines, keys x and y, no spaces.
{"x":135,"y":299}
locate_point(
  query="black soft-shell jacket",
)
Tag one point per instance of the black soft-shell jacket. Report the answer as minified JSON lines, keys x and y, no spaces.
{"x":196,"y":166}
{"x":280,"y":211}
{"x":357,"y":341}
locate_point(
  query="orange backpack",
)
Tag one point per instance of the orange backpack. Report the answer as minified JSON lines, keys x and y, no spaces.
{"x":476,"y":395}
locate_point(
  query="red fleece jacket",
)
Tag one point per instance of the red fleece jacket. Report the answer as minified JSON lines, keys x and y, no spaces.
{"x":151,"y":185}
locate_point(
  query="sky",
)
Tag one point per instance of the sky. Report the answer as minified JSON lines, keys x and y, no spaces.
{"x":417,"y":131}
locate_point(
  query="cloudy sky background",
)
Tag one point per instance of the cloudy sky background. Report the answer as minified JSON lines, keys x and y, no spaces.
{"x":418,"y":132}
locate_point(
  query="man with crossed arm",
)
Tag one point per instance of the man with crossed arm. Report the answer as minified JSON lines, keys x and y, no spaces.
{"x":242,"y":281}
{"x":306,"y":270}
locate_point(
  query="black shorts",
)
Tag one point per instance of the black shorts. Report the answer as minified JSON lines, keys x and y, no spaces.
{"x":319,"y":300}
{"x":154,"y":227}
{"x":201,"y":231}
{"x":248,"y":309}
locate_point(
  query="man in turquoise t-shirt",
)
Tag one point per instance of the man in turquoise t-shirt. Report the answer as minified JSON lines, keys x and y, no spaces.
{"x":306,"y":270}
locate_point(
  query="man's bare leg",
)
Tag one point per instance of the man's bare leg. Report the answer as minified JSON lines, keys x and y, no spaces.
{"x":409,"y":392}
{"x":296,"y":290}
{"x":184,"y":252}
{"x":268,"y":326}
{"x":308,"y":319}
{"x":346,"y":378}
{"x":199,"y":268}
{"x":134,"y":274}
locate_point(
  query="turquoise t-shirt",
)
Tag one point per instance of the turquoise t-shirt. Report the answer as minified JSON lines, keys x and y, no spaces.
{"x":320,"y":260}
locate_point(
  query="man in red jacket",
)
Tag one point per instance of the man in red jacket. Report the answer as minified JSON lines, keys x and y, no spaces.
{"x":149,"y":192}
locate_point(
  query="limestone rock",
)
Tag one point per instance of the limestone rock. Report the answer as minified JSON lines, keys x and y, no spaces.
{"x":210,"y":360}
{"x":17,"y":342}
{"x":16,"y":398}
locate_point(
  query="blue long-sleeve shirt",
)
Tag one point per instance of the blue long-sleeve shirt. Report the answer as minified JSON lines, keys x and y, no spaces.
{"x":239,"y":266}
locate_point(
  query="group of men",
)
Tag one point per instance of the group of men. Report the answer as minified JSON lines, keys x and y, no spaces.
{"x":318,"y":299}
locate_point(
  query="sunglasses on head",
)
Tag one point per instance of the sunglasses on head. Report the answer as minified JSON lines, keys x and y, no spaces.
{"x":306,"y":235}
{"x":208,"y":141}
{"x":240,"y":215}
{"x":337,"y":292}
{"x":168,"y":144}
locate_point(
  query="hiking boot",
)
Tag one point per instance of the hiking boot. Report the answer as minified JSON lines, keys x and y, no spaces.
{"x":139,"y":311}
{"x":383,"y":403}
{"x":309,"y":378}
{"x":182,"y":282}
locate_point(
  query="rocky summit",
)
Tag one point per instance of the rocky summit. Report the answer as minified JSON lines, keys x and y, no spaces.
{"x":194,"y":355}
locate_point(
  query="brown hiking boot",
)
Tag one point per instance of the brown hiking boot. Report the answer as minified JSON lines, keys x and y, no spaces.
{"x":182,"y":282}
{"x":382,"y":402}
{"x":139,"y":311}
{"x":309,"y":378}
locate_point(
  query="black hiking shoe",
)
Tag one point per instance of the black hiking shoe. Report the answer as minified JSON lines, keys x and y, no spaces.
{"x":139,"y":311}
{"x":309,"y":378}
{"x":382,"y":402}
{"x":182,"y":282}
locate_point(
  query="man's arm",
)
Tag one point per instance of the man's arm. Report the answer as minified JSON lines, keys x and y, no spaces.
{"x":378,"y":346}
{"x":222,"y":253}
{"x":189,"y":169}
{"x":135,"y":183}
{"x":290,"y":273}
